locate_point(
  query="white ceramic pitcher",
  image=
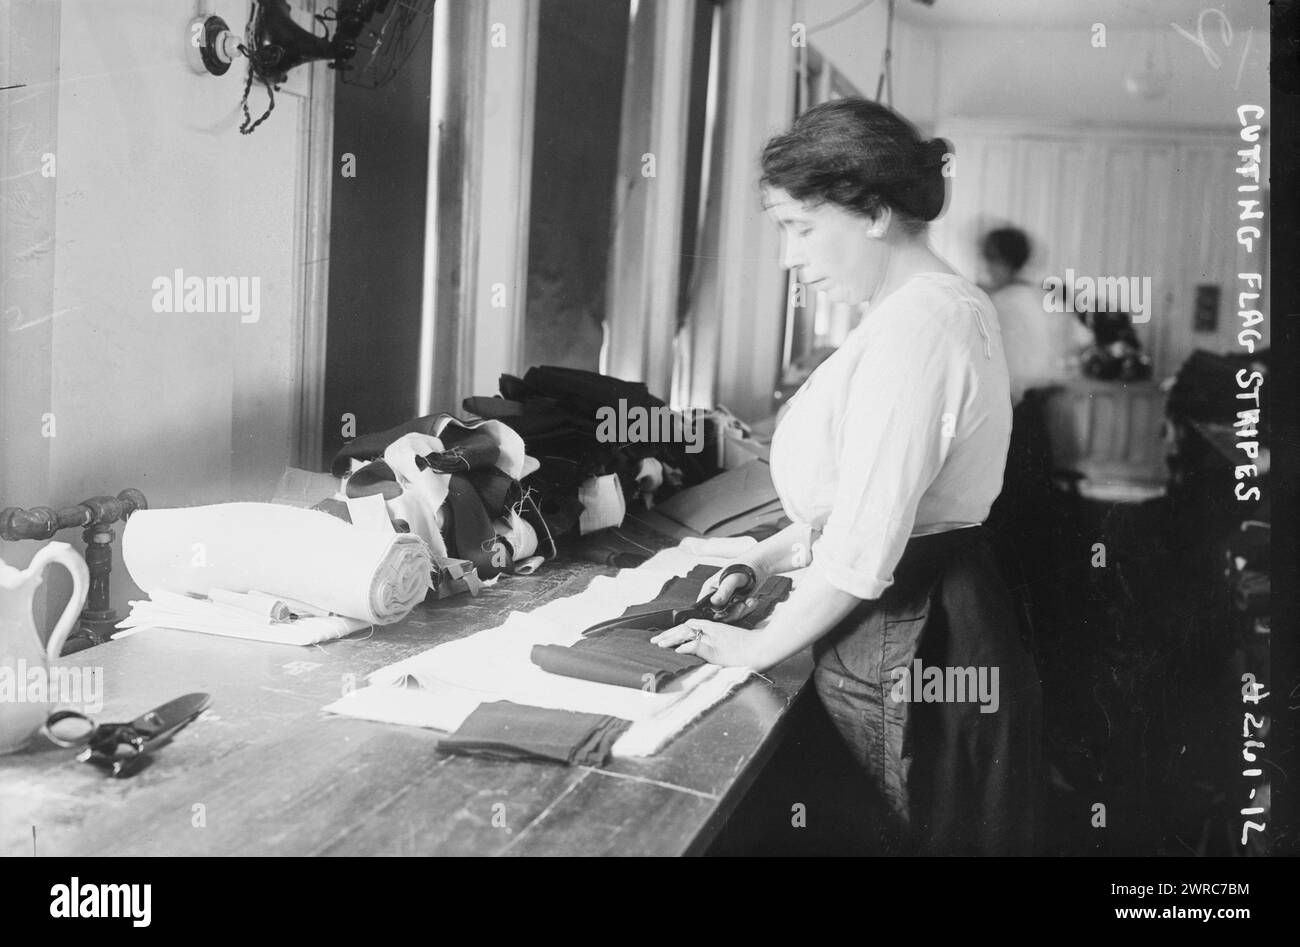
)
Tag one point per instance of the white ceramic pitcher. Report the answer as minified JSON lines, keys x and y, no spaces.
{"x":20,"y":645}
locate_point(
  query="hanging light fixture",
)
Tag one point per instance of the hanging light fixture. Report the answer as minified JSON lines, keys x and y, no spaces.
{"x":1151,"y":82}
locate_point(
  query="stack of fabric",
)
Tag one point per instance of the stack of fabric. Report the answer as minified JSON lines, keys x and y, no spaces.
{"x":557,"y":412}
{"x":454,"y":484}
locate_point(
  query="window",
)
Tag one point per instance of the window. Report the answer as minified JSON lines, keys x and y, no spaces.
{"x":814,"y":327}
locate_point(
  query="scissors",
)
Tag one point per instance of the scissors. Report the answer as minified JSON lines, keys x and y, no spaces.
{"x":123,"y":748}
{"x":672,"y":617}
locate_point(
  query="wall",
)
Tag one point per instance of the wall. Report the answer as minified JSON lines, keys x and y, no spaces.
{"x":1057,"y":75}
{"x":152,"y":175}
{"x":29,"y":45}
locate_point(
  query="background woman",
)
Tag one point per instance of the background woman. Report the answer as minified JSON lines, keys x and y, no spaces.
{"x":1037,"y":341}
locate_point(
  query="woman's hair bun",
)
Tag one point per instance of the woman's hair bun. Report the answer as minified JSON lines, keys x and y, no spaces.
{"x":925,"y":195}
{"x":935,"y":152}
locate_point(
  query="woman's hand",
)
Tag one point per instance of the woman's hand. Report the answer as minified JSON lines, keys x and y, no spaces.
{"x":789,"y":549}
{"x":715,"y":642}
{"x":719,"y":591}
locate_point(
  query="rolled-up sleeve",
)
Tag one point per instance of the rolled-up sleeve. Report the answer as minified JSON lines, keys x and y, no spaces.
{"x":903,"y":414}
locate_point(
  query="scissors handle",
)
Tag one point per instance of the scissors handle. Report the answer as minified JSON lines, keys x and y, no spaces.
{"x":59,"y":739}
{"x":740,"y":568}
{"x":705,"y":608}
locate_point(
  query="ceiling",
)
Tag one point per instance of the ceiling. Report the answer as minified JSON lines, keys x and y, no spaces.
{"x":1063,"y":14}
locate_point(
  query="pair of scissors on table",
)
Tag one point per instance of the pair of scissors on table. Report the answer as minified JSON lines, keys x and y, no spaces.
{"x":665,"y":618}
{"x":123,"y":748}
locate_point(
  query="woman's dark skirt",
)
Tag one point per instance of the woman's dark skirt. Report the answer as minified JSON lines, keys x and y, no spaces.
{"x":959,"y":779}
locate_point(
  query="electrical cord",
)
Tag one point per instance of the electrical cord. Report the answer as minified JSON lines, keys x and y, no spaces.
{"x":248,"y":126}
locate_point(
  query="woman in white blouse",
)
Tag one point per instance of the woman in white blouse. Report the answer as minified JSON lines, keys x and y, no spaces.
{"x":887,"y":462}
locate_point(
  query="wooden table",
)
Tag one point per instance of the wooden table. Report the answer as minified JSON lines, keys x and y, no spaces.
{"x":266,"y":772}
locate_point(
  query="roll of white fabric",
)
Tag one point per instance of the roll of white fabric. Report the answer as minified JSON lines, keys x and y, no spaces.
{"x":302,"y":554}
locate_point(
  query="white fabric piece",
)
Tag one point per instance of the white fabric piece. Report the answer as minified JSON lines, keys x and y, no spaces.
{"x":263,"y":606}
{"x":182,"y":613}
{"x":280,"y":550}
{"x":727,"y":547}
{"x":440,"y":709}
{"x":650,"y":476}
{"x":297,"y":606}
{"x":423,"y":491}
{"x":440,"y":687}
{"x":369,"y":512}
{"x":305,"y":488}
{"x":603,"y":504}
{"x":527,"y":566}
{"x":647,"y":737}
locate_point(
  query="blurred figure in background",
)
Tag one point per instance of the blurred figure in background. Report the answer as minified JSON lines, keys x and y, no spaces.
{"x":1037,"y":342}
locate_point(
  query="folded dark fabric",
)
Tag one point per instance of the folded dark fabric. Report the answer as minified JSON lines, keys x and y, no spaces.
{"x":506,"y":730}
{"x":622,"y":656}
{"x":468,"y":528}
{"x":496,"y":407}
{"x":499,"y":492}
{"x":466,"y":449}
{"x":371,"y":446}
{"x":577,"y":390}
{"x":377,"y":478}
